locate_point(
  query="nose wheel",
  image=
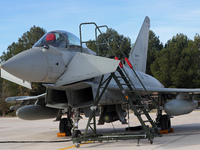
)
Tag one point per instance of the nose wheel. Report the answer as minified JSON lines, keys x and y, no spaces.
{"x":76,"y":134}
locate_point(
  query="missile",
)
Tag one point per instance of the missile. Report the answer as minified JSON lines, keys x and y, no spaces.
{"x":178,"y":107}
{"x":36,"y":112}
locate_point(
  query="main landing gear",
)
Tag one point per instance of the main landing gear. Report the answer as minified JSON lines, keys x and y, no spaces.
{"x":65,"y":126}
{"x":165,"y":123}
{"x":162,"y":121}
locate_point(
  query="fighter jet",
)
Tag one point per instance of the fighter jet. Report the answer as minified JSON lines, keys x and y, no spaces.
{"x":72,"y":74}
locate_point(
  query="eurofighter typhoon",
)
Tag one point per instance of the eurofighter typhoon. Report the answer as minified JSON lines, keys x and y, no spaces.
{"x":72,"y":75}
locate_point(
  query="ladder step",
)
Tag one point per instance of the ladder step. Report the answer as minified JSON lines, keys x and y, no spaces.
{"x":148,"y":120}
{"x":144,"y":113}
{"x":121,"y":77}
{"x":125,"y":84}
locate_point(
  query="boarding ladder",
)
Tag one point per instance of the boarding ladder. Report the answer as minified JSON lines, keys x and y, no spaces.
{"x":131,"y":96}
{"x":136,"y":102}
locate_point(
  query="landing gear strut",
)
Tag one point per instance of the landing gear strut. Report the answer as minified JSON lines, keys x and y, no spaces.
{"x":76,"y":133}
{"x":76,"y":117}
{"x":163,"y":121}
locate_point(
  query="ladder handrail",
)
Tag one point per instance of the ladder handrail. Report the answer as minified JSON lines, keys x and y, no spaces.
{"x":96,"y":28}
{"x":151,"y":98}
{"x":126,"y":59}
{"x":129,"y":80}
{"x":80,"y":32}
{"x":129,"y":63}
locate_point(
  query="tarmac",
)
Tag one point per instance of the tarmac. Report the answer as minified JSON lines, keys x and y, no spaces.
{"x":17,"y":134}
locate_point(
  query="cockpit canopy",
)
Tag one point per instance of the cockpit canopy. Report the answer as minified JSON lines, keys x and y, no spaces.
{"x":62,"y":39}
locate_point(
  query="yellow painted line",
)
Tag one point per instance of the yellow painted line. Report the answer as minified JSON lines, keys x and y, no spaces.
{"x":74,"y":145}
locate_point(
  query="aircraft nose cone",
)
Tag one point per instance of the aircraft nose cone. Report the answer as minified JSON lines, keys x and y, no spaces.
{"x":30,"y":65}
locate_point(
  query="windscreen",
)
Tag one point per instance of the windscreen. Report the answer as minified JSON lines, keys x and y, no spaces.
{"x":61,"y":39}
{"x":52,"y":38}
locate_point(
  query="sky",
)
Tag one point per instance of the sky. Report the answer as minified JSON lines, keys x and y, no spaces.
{"x":167,"y":17}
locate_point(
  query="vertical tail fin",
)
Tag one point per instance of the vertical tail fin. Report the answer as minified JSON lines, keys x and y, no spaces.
{"x":138,"y":54}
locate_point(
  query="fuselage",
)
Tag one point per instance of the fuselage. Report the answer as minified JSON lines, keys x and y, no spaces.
{"x":49,"y":58}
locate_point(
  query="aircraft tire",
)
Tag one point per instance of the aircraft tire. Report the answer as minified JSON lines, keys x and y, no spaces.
{"x":76,"y":134}
{"x":165,"y":123}
{"x":64,"y":126}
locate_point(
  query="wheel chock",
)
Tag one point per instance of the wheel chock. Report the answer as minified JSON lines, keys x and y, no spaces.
{"x":166,"y":131}
{"x":171,"y":130}
{"x":61,"y":134}
{"x":163,"y":131}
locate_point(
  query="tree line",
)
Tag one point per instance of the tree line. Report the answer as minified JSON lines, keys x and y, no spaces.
{"x":175,"y":64}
